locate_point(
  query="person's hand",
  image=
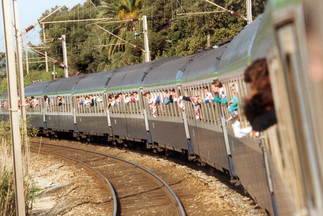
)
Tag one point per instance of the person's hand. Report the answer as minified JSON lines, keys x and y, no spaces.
{"x":255,"y":133}
{"x":230,"y":102}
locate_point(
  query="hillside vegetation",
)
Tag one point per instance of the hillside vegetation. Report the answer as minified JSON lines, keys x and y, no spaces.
{"x":90,"y":49}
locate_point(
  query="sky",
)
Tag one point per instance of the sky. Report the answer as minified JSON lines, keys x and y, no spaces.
{"x":29,"y":12}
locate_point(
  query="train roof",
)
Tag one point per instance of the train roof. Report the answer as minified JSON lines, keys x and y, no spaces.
{"x":134,"y":75}
{"x":169,"y":72}
{"x":37,"y":88}
{"x":265,"y":36}
{"x":128,"y":76}
{"x":222,"y":61}
{"x":94,"y":81}
{"x":204,"y":64}
{"x":239,"y":50}
{"x":66,"y":85}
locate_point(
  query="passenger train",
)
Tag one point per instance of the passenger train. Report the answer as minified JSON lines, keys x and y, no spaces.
{"x":282,"y":169}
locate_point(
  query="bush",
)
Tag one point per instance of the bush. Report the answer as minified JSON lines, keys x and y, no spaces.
{"x":7,"y":189}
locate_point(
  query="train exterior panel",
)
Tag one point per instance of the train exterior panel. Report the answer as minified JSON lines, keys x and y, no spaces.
{"x":280,"y":169}
{"x":94,"y":125}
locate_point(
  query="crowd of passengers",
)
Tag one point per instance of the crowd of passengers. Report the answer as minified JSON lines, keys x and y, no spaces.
{"x":216,"y":88}
{"x":88,"y":101}
{"x":120,"y":98}
{"x":259,"y":105}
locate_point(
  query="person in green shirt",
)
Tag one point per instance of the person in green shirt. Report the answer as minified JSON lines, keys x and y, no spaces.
{"x":233,"y":105}
{"x":217,"y":88}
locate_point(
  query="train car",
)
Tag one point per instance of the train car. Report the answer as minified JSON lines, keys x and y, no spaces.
{"x":92,"y":118}
{"x":207,"y":132}
{"x":296,"y":76}
{"x":282,"y":169}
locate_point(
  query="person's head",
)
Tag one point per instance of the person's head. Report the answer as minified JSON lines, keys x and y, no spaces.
{"x":110,"y":98}
{"x":166,"y":93}
{"x":259,"y":103}
{"x":147,"y":95}
{"x":32,"y":97}
{"x":86,"y":98}
{"x":206,"y":89}
{"x":135,"y":94}
{"x":257,"y":73}
{"x":216,"y":86}
{"x":233,"y":89}
{"x":90,"y":96}
{"x":132,"y":96}
{"x":173,"y":92}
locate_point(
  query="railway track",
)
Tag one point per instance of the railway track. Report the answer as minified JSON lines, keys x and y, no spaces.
{"x":135,"y":190}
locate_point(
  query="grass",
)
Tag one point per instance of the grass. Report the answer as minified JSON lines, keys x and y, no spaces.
{"x":7,"y":189}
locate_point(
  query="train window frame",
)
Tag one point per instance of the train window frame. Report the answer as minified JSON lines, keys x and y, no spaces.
{"x":288,"y":38}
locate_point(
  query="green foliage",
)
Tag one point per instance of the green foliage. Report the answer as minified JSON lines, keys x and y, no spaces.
{"x":7,"y":190}
{"x":7,"y":195}
{"x":92,"y":50}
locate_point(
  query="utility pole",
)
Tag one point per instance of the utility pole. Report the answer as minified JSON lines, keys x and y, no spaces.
{"x":46,"y":56}
{"x":13,"y":108}
{"x":54,"y":72}
{"x":249,"y":11}
{"x":147,"y":52}
{"x":21,"y":73}
{"x":65,"y":56}
{"x":26,"y":53}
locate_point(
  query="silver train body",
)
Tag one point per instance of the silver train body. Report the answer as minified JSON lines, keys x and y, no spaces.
{"x":282,"y":170}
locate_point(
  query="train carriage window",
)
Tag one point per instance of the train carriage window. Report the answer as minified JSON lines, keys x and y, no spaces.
{"x":205,"y":105}
{"x":168,"y":107}
{"x":68,"y":104}
{"x":206,"y":93}
{"x":193,"y":92}
{"x":210,"y":104}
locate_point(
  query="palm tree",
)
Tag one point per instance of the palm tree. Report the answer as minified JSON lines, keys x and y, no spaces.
{"x":129,"y":9}
{"x":123,"y":10}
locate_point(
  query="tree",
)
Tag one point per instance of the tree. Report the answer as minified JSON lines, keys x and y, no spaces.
{"x":129,"y":9}
{"x":90,"y":49}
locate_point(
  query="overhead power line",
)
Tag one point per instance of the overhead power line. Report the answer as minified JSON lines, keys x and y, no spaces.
{"x":79,"y":20}
{"x":133,"y":45}
{"x":227,"y":10}
{"x":36,"y":24}
{"x":199,"y":13}
{"x":50,"y":58}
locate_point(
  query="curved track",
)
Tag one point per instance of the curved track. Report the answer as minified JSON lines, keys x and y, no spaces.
{"x":138,"y":191}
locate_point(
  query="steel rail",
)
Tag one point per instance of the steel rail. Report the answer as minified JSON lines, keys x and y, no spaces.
{"x":114,"y":194}
{"x":179,"y":203}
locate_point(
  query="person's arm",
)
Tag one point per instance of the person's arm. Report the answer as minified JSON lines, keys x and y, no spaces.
{"x":219,"y":100}
{"x":186,"y":98}
{"x":235,"y":101}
